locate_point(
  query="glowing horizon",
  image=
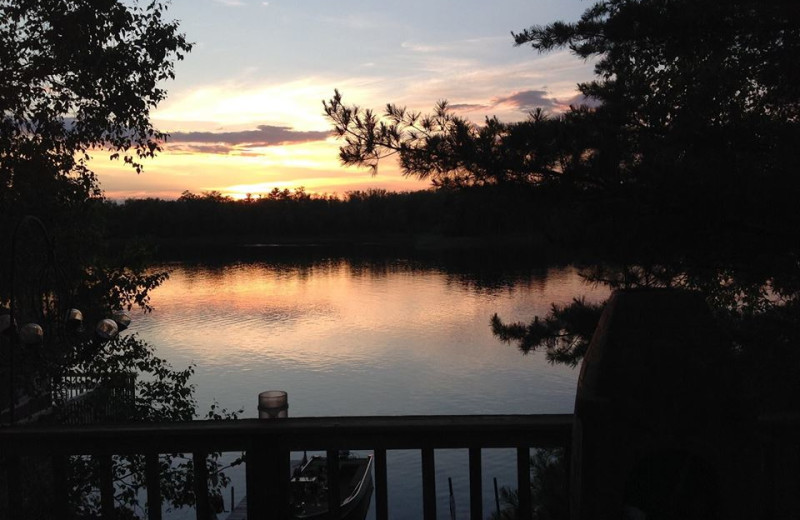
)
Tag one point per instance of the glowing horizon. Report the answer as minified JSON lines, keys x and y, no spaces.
{"x":314,"y":168}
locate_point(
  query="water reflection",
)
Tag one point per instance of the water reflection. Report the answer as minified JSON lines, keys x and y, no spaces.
{"x":367,"y":337}
{"x":373,"y":338}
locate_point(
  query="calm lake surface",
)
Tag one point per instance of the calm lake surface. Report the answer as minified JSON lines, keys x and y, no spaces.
{"x":366,"y":336}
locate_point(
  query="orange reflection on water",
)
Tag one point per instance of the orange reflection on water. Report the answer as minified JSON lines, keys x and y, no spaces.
{"x":333,"y":312}
{"x":346,"y":337}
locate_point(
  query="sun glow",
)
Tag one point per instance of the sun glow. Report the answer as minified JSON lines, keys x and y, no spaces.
{"x":255,"y":171}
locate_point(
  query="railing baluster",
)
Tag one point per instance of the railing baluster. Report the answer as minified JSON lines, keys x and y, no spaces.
{"x":153,"y":481}
{"x":60,"y":480}
{"x":256,"y":481}
{"x":202,"y":504}
{"x":496,"y":497}
{"x":475,"y":484}
{"x":106,"y":465}
{"x":334,"y":489}
{"x":568,"y":470}
{"x":381,"y":486}
{"x":267,"y":472}
{"x":13,"y":480}
{"x":428,"y":485}
{"x":524,"y":481}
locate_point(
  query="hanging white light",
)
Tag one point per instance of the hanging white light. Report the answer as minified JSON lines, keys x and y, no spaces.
{"x":122,"y":319}
{"x":31,"y":334}
{"x":106,"y":329}
{"x":74,"y":320}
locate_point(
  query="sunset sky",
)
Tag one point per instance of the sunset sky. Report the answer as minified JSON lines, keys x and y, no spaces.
{"x":245,"y":111}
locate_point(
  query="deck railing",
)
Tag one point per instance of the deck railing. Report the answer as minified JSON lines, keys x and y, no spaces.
{"x":78,"y":398}
{"x":85,"y":398}
{"x":268,"y":444}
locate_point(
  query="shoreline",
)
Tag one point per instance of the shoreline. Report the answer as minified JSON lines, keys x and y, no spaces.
{"x":428,"y":242}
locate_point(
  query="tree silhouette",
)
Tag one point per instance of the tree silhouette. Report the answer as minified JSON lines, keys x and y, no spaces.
{"x":694,"y":97}
{"x":454,"y":152}
{"x":694,"y":115}
{"x":80,"y":77}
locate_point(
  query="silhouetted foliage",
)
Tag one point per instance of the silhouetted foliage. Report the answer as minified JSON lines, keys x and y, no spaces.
{"x":699,"y":106}
{"x":161,"y":394}
{"x":564,"y":333}
{"x":80,"y":78}
{"x":454,"y":152}
{"x":478,"y":210}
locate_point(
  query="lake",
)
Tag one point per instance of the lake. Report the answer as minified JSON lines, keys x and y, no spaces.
{"x":386,"y":335}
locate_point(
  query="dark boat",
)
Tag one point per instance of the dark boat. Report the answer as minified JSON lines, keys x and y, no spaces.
{"x":309,"y":489}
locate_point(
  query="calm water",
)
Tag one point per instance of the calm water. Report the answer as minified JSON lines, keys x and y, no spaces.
{"x":347,"y":337}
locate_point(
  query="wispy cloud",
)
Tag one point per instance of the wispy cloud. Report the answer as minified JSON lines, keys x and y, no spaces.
{"x":217,"y":149}
{"x":226,"y":142}
{"x":361,"y":21}
{"x":468,"y":107}
{"x":507,"y":89}
{"x":467,"y":46}
{"x":519,"y":101}
{"x":527,"y":100}
{"x":231,"y":3}
{"x":423,"y":48}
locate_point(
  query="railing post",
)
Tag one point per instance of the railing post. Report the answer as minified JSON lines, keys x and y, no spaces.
{"x":381,"y":486}
{"x":524,"y":481}
{"x":256,"y":482}
{"x":568,"y":470}
{"x":202,"y":504}
{"x":106,"y":466}
{"x":153,"y":480}
{"x":475,"y":485}
{"x":60,"y":486}
{"x":267,"y":471}
{"x":334,"y":494}
{"x":13,"y":485}
{"x":428,"y":484}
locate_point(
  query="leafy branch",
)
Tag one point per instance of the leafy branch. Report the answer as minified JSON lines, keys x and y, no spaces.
{"x":564,"y":333}
{"x":452,"y":151}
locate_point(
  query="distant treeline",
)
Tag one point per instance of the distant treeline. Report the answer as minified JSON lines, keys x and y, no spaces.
{"x":486,"y":210}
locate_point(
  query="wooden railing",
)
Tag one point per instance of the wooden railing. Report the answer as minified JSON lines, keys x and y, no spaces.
{"x":85,"y":398}
{"x":78,"y":398}
{"x":268,"y":444}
